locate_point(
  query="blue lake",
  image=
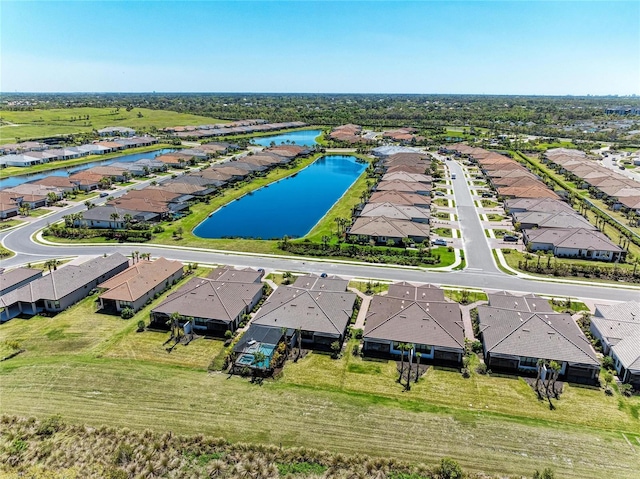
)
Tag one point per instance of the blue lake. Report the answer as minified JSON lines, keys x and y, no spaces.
{"x":18,"y":180}
{"x":291,"y":206}
{"x":302,"y":137}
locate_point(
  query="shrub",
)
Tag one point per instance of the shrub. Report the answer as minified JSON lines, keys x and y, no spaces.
{"x":50,"y":426}
{"x":158,"y":229}
{"x":547,"y":473}
{"x":466,"y":373}
{"x":228,"y":334}
{"x":449,"y":469}
{"x":476,"y":347}
{"x":127,"y":313}
{"x":481,"y":368}
{"x":608,"y":363}
{"x":626,"y":389}
{"x":140,"y":326}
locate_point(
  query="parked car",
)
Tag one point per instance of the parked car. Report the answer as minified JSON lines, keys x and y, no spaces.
{"x":487,"y":195}
{"x":439,"y":242}
{"x":511,"y":238}
{"x":439,"y":193}
{"x":104,"y":194}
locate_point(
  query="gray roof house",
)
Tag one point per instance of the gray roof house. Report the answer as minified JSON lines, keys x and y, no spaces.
{"x":546,"y":205}
{"x":399,"y":212}
{"x":515,"y":340}
{"x":61,"y":288}
{"x":415,"y":315}
{"x":618,"y":329}
{"x":573,"y":243}
{"x":10,"y":280}
{"x":538,"y":219}
{"x":102,"y":217}
{"x":381,"y":229}
{"x":216,"y":306}
{"x":319,"y":307}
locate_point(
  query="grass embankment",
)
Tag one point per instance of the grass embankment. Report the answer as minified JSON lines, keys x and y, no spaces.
{"x":64,"y":121}
{"x":57,"y":165}
{"x":349,"y":405}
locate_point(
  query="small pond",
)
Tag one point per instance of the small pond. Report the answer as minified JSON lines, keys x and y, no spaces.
{"x":302,"y":138}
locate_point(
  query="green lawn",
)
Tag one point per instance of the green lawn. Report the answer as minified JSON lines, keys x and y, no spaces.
{"x":95,"y":369}
{"x":445,"y":232}
{"x":5,"y":224}
{"x":40,"y":123}
{"x":369,"y":287}
{"x":472,"y":296}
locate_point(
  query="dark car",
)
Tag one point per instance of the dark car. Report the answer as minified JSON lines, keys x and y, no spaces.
{"x":510,"y":238}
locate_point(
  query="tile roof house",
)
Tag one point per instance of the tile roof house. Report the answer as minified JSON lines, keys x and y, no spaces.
{"x":320,"y":308}
{"x":573,"y":243}
{"x":402,"y":212}
{"x":538,"y":219}
{"x":407,"y":176}
{"x":216,"y":306}
{"x":415,"y":315}
{"x":10,"y":280}
{"x":533,"y":191}
{"x":381,"y":230}
{"x":545,"y":205}
{"x":61,"y":288}
{"x":136,"y":285}
{"x":8,"y":205}
{"x":228,"y":274}
{"x":404,"y":187}
{"x":514,"y":341}
{"x":398,"y":198}
{"x":618,"y":329}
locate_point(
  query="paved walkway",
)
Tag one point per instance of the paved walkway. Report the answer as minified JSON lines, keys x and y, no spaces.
{"x":466,"y":319}
{"x":364,"y":308}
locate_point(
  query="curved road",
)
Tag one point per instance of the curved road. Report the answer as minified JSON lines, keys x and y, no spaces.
{"x":481,"y":271}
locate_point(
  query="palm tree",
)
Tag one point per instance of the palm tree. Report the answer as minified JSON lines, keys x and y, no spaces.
{"x":401,"y":348}
{"x":539,"y":365}
{"x":418,"y":357}
{"x":114,"y":216}
{"x":325,"y":241}
{"x":128,"y":218}
{"x":174,"y":320}
{"x":89,"y":205}
{"x":52,"y":264}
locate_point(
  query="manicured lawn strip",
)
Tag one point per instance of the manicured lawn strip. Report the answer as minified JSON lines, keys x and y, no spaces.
{"x":369,"y":287}
{"x":445,"y":232}
{"x":472,"y":296}
{"x":39,"y":212}
{"x":575,"y":306}
{"x":41,"y":123}
{"x":58,"y":165}
{"x":514,"y":256}
{"x":10,"y":224}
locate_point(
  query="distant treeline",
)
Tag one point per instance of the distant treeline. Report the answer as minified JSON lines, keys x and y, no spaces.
{"x":538,"y":115}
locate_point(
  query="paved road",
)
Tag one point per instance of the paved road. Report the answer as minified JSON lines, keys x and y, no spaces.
{"x":481,"y":272}
{"x":477,"y":252}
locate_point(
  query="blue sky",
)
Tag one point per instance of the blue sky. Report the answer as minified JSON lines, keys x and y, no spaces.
{"x":494,"y":47}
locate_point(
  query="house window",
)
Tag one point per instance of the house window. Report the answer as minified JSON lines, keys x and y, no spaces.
{"x":56,"y":304}
{"x":526,"y":362}
{"x":423,"y":349}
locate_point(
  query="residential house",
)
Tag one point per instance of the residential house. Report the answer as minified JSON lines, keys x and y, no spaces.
{"x":215,"y":306}
{"x":115,"y":173}
{"x":86,"y":181}
{"x":404,"y":187}
{"x":64,"y":183}
{"x":618,"y":329}
{"x":545,"y":205}
{"x":516,"y":338}
{"x":138,"y":284}
{"x":15,"y":278}
{"x":111,"y":217}
{"x":402,"y":212}
{"x":407,"y":177}
{"x":9,"y":206}
{"x":382,"y":230}
{"x":116,"y":131}
{"x":318,"y":309}
{"x":418,"y":316}
{"x":56,"y":291}
{"x":538,"y":219}
{"x":398,"y":198}
{"x":573,"y":243}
